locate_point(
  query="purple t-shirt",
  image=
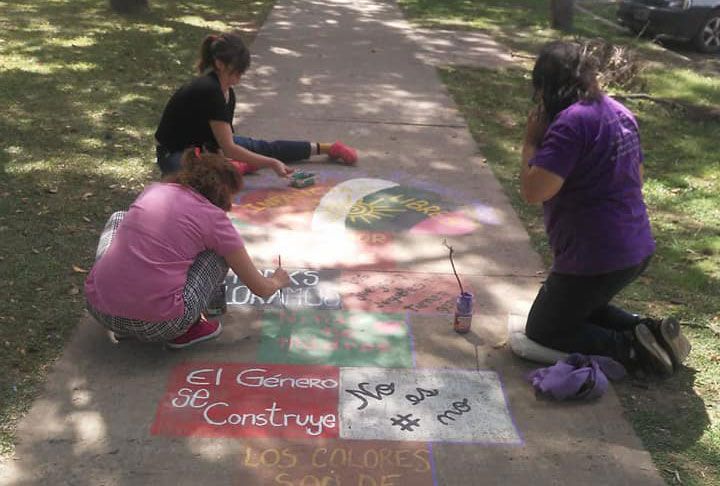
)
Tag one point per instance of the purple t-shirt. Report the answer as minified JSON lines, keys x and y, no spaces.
{"x":597,"y":223}
{"x":143,"y":272}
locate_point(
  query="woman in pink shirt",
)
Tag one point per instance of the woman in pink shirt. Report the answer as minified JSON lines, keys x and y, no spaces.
{"x":158,"y":264}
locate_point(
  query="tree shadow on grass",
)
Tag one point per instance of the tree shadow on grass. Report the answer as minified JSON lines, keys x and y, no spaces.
{"x":96,"y":85}
{"x":671,"y":419}
{"x":83,"y":89}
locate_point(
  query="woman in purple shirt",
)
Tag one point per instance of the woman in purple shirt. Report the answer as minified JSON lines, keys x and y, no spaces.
{"x":582,"y":159}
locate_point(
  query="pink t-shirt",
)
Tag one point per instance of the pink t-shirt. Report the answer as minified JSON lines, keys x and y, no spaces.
{"x":143,"y":272}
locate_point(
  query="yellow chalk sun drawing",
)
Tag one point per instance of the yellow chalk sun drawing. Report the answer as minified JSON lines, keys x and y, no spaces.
{"x":370,"y":211}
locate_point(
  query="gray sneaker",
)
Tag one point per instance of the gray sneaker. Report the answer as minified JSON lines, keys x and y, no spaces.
{"x":651,"y":352}
{"x":668,"y":333}
{"x":674,"y":341}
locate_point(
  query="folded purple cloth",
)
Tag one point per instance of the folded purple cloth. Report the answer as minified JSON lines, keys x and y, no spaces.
{"x":577,"y":377}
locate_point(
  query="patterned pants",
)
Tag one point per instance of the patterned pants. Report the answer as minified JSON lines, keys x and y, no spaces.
{"x":205,"y":274}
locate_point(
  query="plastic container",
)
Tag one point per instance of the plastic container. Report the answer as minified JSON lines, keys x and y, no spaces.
{"x":302,"y":179}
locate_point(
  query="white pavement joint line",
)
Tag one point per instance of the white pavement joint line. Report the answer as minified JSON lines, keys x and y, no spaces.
{"x":600,"y":19}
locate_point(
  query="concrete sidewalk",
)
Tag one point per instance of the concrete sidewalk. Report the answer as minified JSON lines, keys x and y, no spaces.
{"x":357,"y":378}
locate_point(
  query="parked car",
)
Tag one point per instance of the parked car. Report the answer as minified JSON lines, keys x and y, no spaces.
{"x":697,"y":21}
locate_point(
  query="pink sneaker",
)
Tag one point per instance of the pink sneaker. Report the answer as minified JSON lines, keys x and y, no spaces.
{"x":202,"y":330}
{"x":340,"y":151}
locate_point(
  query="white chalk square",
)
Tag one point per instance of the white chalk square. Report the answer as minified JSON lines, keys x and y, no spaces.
{"x":434,"y":405}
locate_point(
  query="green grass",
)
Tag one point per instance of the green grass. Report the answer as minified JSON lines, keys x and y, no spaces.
{"x":82,"y":92}
{"x":679,"y":419}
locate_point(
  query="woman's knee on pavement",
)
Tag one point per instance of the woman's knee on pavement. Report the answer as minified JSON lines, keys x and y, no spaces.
{"x":538,"y":331}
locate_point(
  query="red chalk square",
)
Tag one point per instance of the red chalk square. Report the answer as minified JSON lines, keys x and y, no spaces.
{"x":249,"y":400}
{"x":398,"y":292}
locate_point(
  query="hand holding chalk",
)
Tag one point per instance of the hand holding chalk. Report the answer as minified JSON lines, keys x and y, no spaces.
{"x":281,"y":277}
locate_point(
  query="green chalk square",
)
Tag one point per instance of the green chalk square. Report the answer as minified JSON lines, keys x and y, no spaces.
{"x":339,"y":338}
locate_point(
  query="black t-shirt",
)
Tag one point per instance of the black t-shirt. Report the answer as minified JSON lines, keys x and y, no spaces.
{"x":185,"y":120}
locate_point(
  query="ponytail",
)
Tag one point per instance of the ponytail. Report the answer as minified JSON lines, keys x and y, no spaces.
{"x":206,"y":56}
{"x":228,"y":48}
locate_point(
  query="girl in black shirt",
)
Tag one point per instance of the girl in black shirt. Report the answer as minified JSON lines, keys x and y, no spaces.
{"x":200,"y":114}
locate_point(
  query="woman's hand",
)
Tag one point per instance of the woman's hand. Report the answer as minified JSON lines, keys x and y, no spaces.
{"x":537,"y":125}
{"x":281,"y":278}
{"x":224,"y":135}
{"x":281,"y":169}
{"x":247,"y":272}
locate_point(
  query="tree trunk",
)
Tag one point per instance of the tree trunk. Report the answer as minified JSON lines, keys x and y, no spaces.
{"x":127,"y":6}
{"x":562,"y":14}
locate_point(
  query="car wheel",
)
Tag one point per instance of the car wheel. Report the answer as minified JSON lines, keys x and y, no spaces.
{"x":708,"y":39}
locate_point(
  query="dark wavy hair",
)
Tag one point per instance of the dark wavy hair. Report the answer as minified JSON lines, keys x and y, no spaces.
{"x":209,"y":174}
{"x":564,"y":73}
{"x":228,"y":48}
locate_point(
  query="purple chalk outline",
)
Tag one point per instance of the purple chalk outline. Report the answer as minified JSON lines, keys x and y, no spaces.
{"x":433,"y":468}
{"x":412,"y":339}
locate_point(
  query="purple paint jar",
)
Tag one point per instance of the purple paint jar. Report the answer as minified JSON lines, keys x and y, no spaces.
{"x":463,"y":313}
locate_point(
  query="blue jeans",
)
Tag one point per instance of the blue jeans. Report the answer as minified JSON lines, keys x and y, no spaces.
{"x":284,"y":150}
{"x":572,"y":313}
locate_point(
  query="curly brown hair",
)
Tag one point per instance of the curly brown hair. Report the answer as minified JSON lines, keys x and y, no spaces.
{"x":209,"y":174}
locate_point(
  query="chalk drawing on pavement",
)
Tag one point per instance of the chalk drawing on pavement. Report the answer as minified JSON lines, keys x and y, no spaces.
{"x":309,"y":289}
{"x":355,"y":463}
{"x":398,"y":292}
{"x":249,"y":400}
{"x":424,"y":405}
{"x":338,"y":338}
{"x":362,"y":204}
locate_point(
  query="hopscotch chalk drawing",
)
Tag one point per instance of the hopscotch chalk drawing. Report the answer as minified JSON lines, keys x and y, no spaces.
{"x":310,"y":289}
{"x":380,"y":205}
{"x":424,"y":405}
{"x":399,"y":292}
{"x":337,"y":463}
{"x":354,"y":291}
{"x":336,"y":338}
{"x":360,"y":204}
{"x":356,"y":223}
{"x":249,"y":400}
{"x":313,"y":402}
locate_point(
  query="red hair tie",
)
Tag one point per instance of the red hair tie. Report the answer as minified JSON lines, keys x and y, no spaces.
{"x":197,"y":152}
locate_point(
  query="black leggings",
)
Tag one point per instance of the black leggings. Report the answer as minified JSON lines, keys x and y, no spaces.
{"x":572,"y":313}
